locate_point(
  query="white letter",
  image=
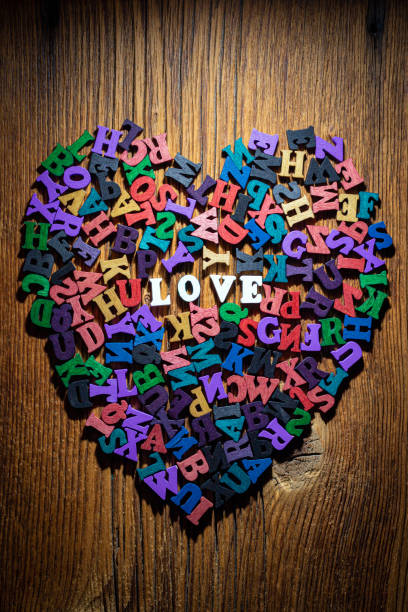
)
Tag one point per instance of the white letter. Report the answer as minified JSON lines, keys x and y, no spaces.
{"x":195,"y":285}
{"x":250,"y":286}
{"x":224,"y":288}
{"x":156,"y":293}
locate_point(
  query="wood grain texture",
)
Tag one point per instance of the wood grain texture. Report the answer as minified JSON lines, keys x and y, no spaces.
{"x":76,"y":537}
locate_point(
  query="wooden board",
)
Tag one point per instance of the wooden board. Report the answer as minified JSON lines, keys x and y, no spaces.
{"x":330,"y":531}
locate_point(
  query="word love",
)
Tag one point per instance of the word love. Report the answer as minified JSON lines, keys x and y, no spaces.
{"x":277,"y":266}
{"x":189,"y":289}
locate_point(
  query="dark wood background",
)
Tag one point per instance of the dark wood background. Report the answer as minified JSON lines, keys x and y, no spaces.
{"x":328,"y":533}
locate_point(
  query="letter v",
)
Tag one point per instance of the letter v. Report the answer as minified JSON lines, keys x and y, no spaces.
{"x":224,"y":288}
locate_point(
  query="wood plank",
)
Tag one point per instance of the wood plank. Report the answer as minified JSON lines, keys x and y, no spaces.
{"x":78,"y":537}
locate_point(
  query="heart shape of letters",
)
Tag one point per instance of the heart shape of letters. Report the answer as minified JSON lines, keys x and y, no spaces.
{"x":284,"y":250}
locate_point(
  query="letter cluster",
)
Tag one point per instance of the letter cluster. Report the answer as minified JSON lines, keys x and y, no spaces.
{"x":121,"y":241}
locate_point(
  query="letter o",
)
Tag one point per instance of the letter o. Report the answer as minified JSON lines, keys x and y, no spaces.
{"x":77,"y":177}
{"x":182,"y":288}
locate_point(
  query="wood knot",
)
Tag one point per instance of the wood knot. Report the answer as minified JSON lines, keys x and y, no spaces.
{"x":303,"y":464}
